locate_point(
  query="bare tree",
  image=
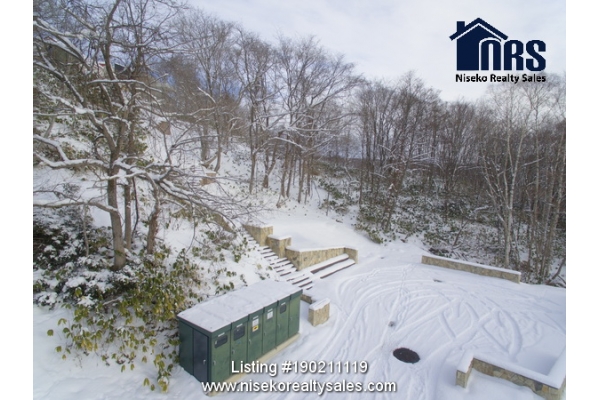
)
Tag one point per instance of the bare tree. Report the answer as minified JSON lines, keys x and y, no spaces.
{"x":394,"y":123}
{"x":206,"y":43}
{"x":512,"y":143}
{"x":455,"y":146}
{"x":99,"y":79}
{"x":100,"y":70}
{"x":313,"y":85}
{"x":254,"y":65}
{"x":543,"y":190}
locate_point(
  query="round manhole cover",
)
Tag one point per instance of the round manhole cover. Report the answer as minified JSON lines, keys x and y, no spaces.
{"x":406,"y":355}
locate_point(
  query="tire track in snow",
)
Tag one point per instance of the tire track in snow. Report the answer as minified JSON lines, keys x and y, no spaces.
{"x":458,"y":315}
{"x":379,"y":294}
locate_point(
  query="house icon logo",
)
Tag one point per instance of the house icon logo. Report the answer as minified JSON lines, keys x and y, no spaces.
{"x":480,"y":46}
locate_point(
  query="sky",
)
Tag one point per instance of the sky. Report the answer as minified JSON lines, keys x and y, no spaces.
{"x":387,"y":38}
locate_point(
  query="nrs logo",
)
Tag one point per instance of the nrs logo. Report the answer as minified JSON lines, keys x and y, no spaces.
{"x":479,"y":45}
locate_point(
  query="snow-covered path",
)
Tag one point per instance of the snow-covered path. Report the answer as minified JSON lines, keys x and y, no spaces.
{"x":439,"y":314}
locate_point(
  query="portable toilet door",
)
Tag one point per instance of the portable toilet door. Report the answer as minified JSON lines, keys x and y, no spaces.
{"x":294,"y":316}
{"x":283,"y":315}
{"x":205,"y":354}
{"x":200,"y":356}
{"x":269,"y":331}
{"x":239,"y":341}
{"x":186,"y":350}
{"x":220,"y":355}
{"x":255,"y":335}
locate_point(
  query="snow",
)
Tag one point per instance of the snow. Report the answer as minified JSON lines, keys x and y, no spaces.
{"x":318,"y":305}
{"x":298,"y":248}
{"x":388,"y":300}
{"x":465,"y":362}
{"x":335,"y":268}
{"x":479,"y":265}
{"x":554,"y":379}
{"x":220,"y":311}
{"x":559,"y":370}
{"x":324,"y":263}
{"x":279,"y":237}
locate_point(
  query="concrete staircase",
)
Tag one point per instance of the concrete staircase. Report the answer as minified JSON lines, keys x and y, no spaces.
{"x":307,"y":276}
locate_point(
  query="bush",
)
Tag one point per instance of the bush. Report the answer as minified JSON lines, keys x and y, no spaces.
{"x":67,"y":261}
{"x":337,"y":201}
{"x":124,"y":316}
{"x":140,"y":324}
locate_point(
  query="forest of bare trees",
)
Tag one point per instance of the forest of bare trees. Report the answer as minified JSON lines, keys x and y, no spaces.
{"x":154,"y":94}
{"x":505,"y":152}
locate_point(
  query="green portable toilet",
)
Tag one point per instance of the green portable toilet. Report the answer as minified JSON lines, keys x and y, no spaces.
{"x":205,"y":353}
{"x":239,"y":341}
{"x":269,"y":327}
{"x":252,"y":300}
{"x":219,"y":367}
{"x":283,"y":320}
{"x":255,"y":335}
{"x":288,"y":310}
{"x":237,"y":327}
{"x":211,"y":340}
{"x":186,"y":350}
{"x":294,"y":324}
{"x":268,"y":291}
{"x":282,"y":317}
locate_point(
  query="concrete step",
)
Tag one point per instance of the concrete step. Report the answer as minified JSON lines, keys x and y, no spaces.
{"x":252,"y":244}
{"x":279,"y":262}
{"x":320,"y":267}
{"x":300,"y":280}
{"x":285,"y":268}
{"x":249,"y":239}
{"x":287,"y":272}
{"x":306,"y":286}
{"x":270,"y":256}
{"x":282,"y":266}
{"x":298,"y":274}
{"x":335,"y":268}
{"x":325,"y":264}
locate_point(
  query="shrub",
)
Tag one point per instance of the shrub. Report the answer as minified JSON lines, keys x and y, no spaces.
{"x":140,"y":324}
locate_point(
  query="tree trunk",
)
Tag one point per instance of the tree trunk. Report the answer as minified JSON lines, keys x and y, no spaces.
{"x":128,"y":218}
{"x":301,"y":174}
{"x":153,"y":224}
{"x":119,"y":258}
{"x":252,"y":171}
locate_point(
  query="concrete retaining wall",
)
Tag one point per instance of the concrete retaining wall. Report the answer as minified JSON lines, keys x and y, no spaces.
{"x":279,"y":244}
{"x":474,"y":268}
{"x":305,"y":258}
{"x":307,"y":298}
{"x":300,"y":258}
{"x":547,"y":386}
{"x":318,"y":312}
{"x":259,"y":233}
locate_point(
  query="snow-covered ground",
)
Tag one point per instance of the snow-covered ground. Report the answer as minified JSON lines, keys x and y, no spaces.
{"x":387,"y":300}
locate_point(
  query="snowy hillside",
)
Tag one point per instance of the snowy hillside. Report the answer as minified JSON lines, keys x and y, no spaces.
{"x":387,"y":300}
{"x":165,"y":138}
